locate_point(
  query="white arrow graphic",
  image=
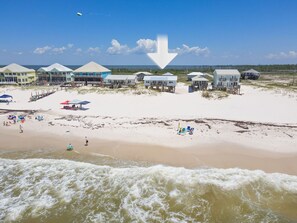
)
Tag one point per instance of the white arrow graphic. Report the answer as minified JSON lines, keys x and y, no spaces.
{"x":162,"y":58}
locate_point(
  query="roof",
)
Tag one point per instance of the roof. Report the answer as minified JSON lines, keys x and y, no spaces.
{"x":251,"y":71}
{"x":168,"y":74}
{"x":198,"y":78}
{"x":226,"y":72}
{"x":91,"y":67}
{"x":15,"y":68}
{"x":120,"y":77}
{"x":160,"y":78}
{"x":5,"y":96}
{"x":143,"y":72}
{"x":55,"y":67}
{"x":195,"y":74}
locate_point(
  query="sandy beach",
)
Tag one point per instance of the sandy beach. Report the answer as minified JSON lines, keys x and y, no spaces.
{"x":251,"y":131}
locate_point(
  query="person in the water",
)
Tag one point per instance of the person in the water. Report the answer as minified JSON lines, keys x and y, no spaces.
{"x":87,"y":141}
{"x":69,"y":147}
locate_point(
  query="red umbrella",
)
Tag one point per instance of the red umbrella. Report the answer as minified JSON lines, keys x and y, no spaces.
{"x":65,"y":102}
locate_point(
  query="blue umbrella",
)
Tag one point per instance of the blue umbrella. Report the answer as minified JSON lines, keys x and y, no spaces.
{"x":5,"y":96}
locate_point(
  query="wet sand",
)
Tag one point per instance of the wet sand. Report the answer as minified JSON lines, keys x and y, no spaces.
{"x":219,"y":155}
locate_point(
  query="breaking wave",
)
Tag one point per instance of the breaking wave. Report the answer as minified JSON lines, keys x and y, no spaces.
{"x":49,"y":190}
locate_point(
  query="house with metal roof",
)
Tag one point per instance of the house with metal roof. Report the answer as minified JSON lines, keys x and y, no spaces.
{"x":117,"y":81}
{"x":17,"y":74}
{"x":55,"y":74}
{"x":90,"y":73}
{"x":199,"y":83}
{"x":140,"y":75}
{"x":163,"y":83}
{"x":250,"y":74}
{"x":194,"y":74}
{"x":168,"y":74}
{"x":226,"y":79}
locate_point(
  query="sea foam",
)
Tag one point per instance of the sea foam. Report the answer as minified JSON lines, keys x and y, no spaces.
{"x":55,"y":190}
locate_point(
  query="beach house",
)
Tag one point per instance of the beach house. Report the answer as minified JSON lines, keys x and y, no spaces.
{"x":55,"y":74}
{"x":199,"y":83}
{"x":226,"y":79}
{"x":117,"y":81}
{"x":17,"y":74}
{"x":140,"y":75}
{"x":163,"y":83}
{"x":168,"y":74}
{"x":90,"y":73}
{"x":194,"y":74}
{"x":250,"y":74}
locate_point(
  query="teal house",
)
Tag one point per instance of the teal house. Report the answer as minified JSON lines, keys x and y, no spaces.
{"x":91,"y":73}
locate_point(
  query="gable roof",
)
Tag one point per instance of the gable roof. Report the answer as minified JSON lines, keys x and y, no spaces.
{"x":143,"y":72}
{"x":195,"y":74}
{"x":15,"y":68}
{"x":160,"y":78}
{"x":120,"y":77}
{"x":167,"y":74}
{"x":55,"y":67}
{"x":251,"y":71}
{"x":91,"y":67}
{"x":199,"y":78}
{"x":226,"y":72}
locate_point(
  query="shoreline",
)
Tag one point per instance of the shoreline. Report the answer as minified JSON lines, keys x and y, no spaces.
{"x":255,"y":130}
{"x":222,"y":155}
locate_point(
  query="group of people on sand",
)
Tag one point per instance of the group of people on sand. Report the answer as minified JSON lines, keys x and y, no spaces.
{"x":70,"y":146}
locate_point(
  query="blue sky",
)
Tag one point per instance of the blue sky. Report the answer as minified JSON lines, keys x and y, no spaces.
{"x":114,"y":32}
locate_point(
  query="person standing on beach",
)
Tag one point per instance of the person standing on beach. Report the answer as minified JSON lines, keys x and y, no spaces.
{"x":21,"y":129}
{"x":87,"y":141}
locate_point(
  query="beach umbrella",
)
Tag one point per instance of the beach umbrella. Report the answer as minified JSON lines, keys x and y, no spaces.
{"x":75,"y":101}
{"x":84,"y":102}
{"x":5,"y":96}
{"x":65,"y":102}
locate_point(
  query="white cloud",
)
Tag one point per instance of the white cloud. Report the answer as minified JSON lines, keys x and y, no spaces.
{"x":59,"y":50}
{"x":51,"y":49}
{"x":78,"y":50}
{"x":149,"y":46}
{"x":290,"y":54}
{"x":19,"y":53}
{"x":195,"y":50}
{"x":92,"y":50}
{"x":42,"y":50}
{"x":117,"y":48}
{"x":144,"y":46}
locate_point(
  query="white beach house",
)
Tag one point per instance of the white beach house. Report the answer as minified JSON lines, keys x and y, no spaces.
{"x":226,"y":79}
{"x":168,"y":74}
{"x":55,"y":74}
{"x":250,"y":74}
{"x":199,"y":83}
{"x":91,"y":73}
{"x":194,"y":74}
{"x":164,"y":83}
{"x":117,"y":81}
{"x":17,"y":74}
{"x":141,"y":74}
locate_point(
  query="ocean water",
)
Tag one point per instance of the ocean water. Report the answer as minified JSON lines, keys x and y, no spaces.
{"x":57,"y":190}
